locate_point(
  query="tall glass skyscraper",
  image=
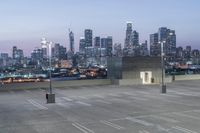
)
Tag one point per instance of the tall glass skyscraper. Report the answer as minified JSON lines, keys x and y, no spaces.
{"x":128,"y":35}
{"x":88,"y":38}
{"x":168,"y":37}
{"x":71,"y":41}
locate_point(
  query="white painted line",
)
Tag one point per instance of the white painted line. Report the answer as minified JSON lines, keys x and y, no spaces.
{"x":67,"y":99}
{"x":63,"y":105}
{"x":139,"y":98}
{"x":165,"y":119}
{"x":36,"y":104}
{"x":82,"y":97}
{"x":82,"y":128}
{"x":102,"y":101}
{"x":160,"y":128}
{"x":99,"y":96}
{"x":83,"y":103}
{"x":170,"y":95}
{"x":185,"y":130}
{"x":112,"y":125}
{"x":185,"y":115}
{"x":114,"y":95}
{"x":185,"y":93}
{"x":140,"y":121}
{"x":143,"y":131}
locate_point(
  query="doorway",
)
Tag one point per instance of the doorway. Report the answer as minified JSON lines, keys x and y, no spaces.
{"x":146,"y":77}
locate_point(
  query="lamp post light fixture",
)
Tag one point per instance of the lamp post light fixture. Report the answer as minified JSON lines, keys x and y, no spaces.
{"x":163,"y":86}
{"x":49,"y":96}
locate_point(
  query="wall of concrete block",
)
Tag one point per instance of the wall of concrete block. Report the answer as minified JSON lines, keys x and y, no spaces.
{"x":55,"y":84}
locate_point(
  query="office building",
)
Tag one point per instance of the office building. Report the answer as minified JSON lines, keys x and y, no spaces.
{"x":127,"y":45}
{"x":88,"y":38}
{"x":167,"y":36}
{"x":155,"y":49}
{"x":117,"y":50}
{"x":135,"y":43}
{"x":71,"y":41}
{"x":82,"y":45}
{"x":144,"y":49}
{"x":59,"y":52}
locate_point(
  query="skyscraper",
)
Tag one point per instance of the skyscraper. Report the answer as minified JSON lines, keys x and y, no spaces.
{"x":18,"y":56}
{"x":88,"y":38}
{"x":127,"y":45}
{"x":135,"y":43}
{"x":71,"y":41}
{"x":144,"y":49}
{"x":97,"y":46}
{"x":155,"y":49}
{"x":169,"y":37}
{"x":103,"y":46}
{"x":59,"y":52}
{"x":128,"y":35}
{"x":117,"y":50}
{"x":82,"y":45}
{"x":97,"y":42}
{"x":109,"y":46}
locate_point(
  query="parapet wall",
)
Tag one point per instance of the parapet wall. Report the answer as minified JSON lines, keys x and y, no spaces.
{"x":187,"y":77}
{"x":55,"y":84}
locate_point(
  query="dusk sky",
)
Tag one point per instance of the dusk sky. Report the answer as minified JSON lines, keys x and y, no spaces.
{"x":24,"y":22}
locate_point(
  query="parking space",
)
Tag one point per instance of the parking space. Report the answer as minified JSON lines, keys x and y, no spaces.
{"x":103,"y":109}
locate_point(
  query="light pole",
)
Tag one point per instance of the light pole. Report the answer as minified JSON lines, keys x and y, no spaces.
{"x":163,"y":89}
{"x":49,"y":96}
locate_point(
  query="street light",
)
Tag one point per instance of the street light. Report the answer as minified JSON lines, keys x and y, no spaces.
{"x":49,"y":96}
{"x":163,"y":89}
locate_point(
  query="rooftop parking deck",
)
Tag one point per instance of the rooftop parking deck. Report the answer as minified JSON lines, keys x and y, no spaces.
{"x":103,"y":109}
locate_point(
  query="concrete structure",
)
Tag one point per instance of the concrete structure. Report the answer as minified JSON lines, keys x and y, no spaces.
{"x":55,"y":84}
{"x":103,"y":109}
{"x":135,"y":70}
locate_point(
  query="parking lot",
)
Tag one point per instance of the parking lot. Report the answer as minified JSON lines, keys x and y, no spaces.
{"x":103,"y":109}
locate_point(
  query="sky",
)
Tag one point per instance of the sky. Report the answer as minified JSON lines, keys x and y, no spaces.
{"x":24,"y":22}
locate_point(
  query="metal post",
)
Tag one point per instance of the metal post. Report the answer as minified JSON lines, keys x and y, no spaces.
{"x":50,"y":67}
{"x":163,"y":89}
{"x":50,"y":97}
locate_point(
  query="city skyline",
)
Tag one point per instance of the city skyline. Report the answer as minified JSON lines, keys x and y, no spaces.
{"x":27,"y":22}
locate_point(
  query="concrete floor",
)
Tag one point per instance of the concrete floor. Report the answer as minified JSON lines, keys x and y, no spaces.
{"x":103,"y":109}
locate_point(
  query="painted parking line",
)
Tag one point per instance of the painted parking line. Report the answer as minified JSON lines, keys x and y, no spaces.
{"x":142,"y":122}
{"x":171,"y":95}
{"x":103,"y":101}
{"x":82,"y":128}
{"x":139,"y":98}
{"x":185,"y":115}
{"x":83,"y":97}
{"x":36,"y":104}
{"x":185,"y":130}
{"x":112,"y":125}
{"x":185,"y":93}
{"x":99,"y":96}
{"x":83,"y":103}
{"x":67,"y":99}
{"x":114,"y":95}
{"x":65,"y":105}
{"x":165,"y":119}
{"x":143,"y":131}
